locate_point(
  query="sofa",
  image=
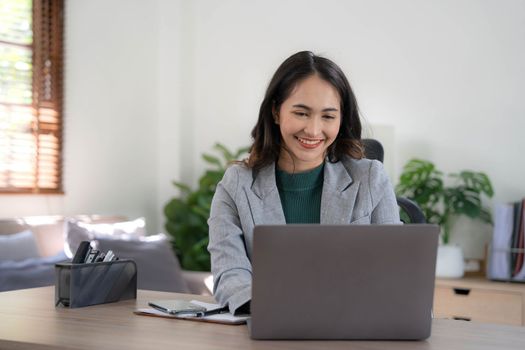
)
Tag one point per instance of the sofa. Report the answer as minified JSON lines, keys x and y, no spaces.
{"x":31,"y":246}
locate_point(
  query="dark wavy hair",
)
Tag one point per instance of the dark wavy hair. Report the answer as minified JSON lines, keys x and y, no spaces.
{"x":266,"y":134}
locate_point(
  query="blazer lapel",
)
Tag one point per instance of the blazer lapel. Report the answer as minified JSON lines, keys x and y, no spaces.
{"x":339,"y":194}
{"x":263,"y":199}
{"x":337,"y":199}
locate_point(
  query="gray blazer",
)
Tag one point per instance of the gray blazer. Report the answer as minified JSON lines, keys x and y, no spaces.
{"x":354,"y":191}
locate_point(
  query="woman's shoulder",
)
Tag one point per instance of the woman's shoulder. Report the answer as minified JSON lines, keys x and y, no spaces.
{"x":360,"y":164}
{"x":359,"y":168}
{"x":237,"y":172}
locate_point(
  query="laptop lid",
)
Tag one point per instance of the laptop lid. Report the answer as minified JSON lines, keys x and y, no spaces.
{"x":343,"y":281}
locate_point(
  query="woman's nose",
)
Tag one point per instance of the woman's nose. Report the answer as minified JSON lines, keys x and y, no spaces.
{"x":313,"y":127}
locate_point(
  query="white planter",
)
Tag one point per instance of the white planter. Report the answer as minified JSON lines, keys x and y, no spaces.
{"x":450,"y":263}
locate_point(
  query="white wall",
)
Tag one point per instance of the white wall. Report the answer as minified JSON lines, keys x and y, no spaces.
{"x":445,"y":76}
{"x":111,"y":115}
{"x":172,"y":86}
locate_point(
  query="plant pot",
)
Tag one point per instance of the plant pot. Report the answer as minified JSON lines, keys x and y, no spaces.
{"x":450,"y":263}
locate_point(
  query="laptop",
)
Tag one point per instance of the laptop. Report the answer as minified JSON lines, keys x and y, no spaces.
{"x":369,"y":282}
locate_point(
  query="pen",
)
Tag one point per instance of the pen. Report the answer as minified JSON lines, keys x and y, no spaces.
{"x":109,"y":256}
{"x":193,"y":313}
{"x":221,"y":310}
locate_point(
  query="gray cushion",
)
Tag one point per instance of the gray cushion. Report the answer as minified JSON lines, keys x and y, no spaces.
{"x":77,"y":231}
{"x":158,"y":268}
{"x":18,"y":246}
{"x":29,"y":273}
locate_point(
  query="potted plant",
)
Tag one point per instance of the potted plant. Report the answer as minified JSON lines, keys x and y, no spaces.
{"x":440,"y":202}
{"x":187,"y":215}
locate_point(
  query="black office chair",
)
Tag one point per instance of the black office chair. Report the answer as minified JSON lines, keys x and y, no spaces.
{"x":374,"y":150}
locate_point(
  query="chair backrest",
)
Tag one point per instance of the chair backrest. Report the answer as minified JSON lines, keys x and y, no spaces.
{"x":374,"y":150}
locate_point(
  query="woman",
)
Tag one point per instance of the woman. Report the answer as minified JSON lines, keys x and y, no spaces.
{"x":305,"y":166}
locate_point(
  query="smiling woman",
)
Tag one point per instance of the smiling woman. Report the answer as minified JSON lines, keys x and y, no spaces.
{"x":305,"y":166}
{"x":320,"y":81}
{"x":309,"y":121}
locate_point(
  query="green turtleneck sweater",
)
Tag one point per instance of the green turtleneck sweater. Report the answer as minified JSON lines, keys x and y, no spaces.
{"x":301,"y":195}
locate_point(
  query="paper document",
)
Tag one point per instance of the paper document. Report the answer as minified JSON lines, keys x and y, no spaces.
{"x":224,"y":318}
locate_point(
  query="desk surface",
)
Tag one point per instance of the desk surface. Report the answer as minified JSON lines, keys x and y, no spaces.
{"x":28,"y":319}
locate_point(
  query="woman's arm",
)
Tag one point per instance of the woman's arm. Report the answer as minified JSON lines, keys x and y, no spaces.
{"x":231,"y":268}
{"x":384,"y":203}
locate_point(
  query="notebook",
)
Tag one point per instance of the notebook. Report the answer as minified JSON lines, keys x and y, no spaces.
{"x":223,"y":318}
{"x":343,"y":281}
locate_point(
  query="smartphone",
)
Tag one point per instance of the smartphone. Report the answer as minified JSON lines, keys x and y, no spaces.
{"x":82,"y":252}
{"x":177,"y":307}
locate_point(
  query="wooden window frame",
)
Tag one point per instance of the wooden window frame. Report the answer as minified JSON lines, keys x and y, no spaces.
{"x":47,"y":97}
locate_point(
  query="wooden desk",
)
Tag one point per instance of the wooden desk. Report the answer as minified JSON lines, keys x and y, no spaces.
{"x":481,"y":300}
{"x":29,"y":320}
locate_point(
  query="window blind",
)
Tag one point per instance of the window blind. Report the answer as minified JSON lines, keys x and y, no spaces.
{"x":31,"y":40}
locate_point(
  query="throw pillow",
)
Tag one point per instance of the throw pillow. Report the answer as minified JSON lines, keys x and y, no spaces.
{"x":158,"y":267}
{"x":29,"y":273}
{"x":77,"y":231}
{"x":18,"y":246}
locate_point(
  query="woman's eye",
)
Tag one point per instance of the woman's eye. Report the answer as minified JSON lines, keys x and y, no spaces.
{"x":329,"y":117}
{"x":300,"y":114}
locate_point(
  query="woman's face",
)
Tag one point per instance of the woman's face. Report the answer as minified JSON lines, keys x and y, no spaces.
{"x":309,"y":120}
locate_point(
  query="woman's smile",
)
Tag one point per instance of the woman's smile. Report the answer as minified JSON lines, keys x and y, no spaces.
{"x":309,"y":143}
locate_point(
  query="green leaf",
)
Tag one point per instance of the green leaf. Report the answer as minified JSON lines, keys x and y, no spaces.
{"x":175,"y":209}
{"x":182,"y":187}
{"x":225,"y":152}
{"x":204,"y":201}
{"x":404,"y":216}
{"x":478,"y":181}
{"x":486,"y":185}
{"x":419,"y":181}
{"x":241,"y":151}
{"x":210,"y":179}
{"x":212,"y":160}
{"x":201,"y":212}
{"x":485,"y":216}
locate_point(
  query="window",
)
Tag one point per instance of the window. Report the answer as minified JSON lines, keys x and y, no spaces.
{"x":31,"y":36}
